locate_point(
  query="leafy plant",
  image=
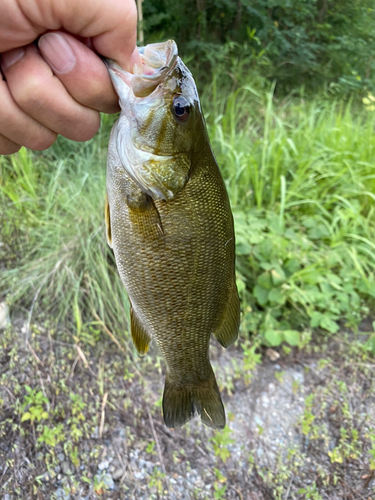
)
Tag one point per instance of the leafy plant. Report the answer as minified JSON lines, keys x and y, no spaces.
{"x":52,"y":435}
{"x":34,"y":400}
{"x":220,"y":442}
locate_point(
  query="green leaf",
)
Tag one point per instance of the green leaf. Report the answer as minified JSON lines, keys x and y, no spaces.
{"x":278,"y":275}
{"x":273,"y":337}
{"x":26,"y":416}
{"x":292,"y":337}
{"x":265,"y":281}
{"x":261,"y":294}
{"x":292,"y":266}
{"x":329,"y":324}
{"x":369,"y":345}
{"x":315,"y":319}
{"x":277,"y":296}
{"x":240,"y":285}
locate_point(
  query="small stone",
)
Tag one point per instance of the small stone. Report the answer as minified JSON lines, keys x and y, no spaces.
{"x":61,"y":494}
{"x":272,"y":355}
{"x":60,"y":457}
{"x":106,"y":479}
{"x":95,"y":434}
{"x":150,"y":465}
{"x":103,"y":465}
{"x":141,"y":463}
{"x":7,"y":497}
{"x":117,"y":474}
{"x":66,"y":467}
{"x":46,"y":476}
{"x":4,"y":315}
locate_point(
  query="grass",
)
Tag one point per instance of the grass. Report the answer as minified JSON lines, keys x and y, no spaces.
{"x":302,"y":185}
{"x":301,"y":179}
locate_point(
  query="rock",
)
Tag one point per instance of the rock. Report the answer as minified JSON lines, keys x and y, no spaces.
{"x":61,"y":494}
{"x":103,"y":465}
{"x":117,"y":474}
{"x":107,"y":480}
{"x":66,"y":467}
{"x":272,"y":355}
{"x":45,"y":476}
{"x":60,"y":457}
{"x":95,"y":434}
{"x":4,"y":316}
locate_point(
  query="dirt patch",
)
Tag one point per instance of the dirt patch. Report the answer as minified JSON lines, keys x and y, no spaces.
{"x":84,"y":422}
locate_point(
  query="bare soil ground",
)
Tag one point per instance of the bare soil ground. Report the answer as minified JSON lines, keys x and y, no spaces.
{"x":84,"y":422}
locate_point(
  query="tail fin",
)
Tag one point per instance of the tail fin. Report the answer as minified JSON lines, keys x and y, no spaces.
{"x":181,"y":404}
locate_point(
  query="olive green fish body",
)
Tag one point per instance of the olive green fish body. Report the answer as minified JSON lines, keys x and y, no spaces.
{"x":174,"y":247}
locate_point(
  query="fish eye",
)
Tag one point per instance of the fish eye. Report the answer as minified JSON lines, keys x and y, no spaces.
{"x":181,"y":108}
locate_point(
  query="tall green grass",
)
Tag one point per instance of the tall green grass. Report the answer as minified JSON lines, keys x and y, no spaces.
{"x":301,"y":178}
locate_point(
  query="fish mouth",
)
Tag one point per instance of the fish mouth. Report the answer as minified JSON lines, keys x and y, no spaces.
{"x":157,"y":60}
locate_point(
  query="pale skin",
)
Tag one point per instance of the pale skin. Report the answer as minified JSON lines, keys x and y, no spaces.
{"x":52,"y":81}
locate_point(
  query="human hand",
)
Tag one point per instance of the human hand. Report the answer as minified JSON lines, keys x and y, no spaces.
{"x":59,"y":85}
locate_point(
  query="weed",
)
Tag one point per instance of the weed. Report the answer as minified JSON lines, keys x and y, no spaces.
{"x":220,"y":442}
{"x":35,"y":402}
{"x":301,"y":182}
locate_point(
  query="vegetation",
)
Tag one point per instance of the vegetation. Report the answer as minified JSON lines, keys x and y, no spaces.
{"x":301,"y":181}
{"x":297,"y":159}
{"x":295,"y":42}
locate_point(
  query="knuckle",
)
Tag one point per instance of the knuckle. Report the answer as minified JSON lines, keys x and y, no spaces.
{"x":31,"y":93}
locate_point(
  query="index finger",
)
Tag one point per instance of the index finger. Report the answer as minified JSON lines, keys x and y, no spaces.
{"x":111,"y":24}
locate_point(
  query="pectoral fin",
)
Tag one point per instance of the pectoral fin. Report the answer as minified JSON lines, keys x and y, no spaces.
{"x":107,"y":222}
{"x":140,"y":337}
{"x":227,"y":330}
{"x":163,"y":179}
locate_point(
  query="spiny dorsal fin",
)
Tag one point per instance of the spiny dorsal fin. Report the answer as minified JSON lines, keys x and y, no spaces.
{"x":107,"y":221}
{"x":140,"y":337}
{"x":227,"y":331}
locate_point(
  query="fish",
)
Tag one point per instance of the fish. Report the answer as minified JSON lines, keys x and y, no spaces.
{"x":170,"y":225}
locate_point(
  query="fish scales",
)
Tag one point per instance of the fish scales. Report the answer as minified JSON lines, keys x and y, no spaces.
{"x":175,"y":255}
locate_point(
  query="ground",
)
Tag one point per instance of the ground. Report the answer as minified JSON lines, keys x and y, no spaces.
{"x":84,"y":421}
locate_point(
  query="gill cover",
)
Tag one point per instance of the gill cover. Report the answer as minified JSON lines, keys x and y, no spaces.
{"x":153,"y":135}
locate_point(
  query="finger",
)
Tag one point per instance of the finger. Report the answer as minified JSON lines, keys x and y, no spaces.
{"x":112,"y":25}
{"x":20,"y":128}
{"x":80,"y":70}
{"x":8,"y":147}
{"x":42,"y":96}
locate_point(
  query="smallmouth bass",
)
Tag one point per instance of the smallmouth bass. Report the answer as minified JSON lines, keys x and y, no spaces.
{"x":170,"y":225}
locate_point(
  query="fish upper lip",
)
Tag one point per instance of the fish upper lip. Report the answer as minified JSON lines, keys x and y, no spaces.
{"x":157,"y":60}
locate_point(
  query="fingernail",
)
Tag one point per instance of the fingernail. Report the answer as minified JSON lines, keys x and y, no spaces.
{"x":57,"y":52}
{"x":11,"y":57}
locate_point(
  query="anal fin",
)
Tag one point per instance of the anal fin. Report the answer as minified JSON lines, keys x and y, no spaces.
{"x":140,"y":337}
{"x":227,"y":330}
